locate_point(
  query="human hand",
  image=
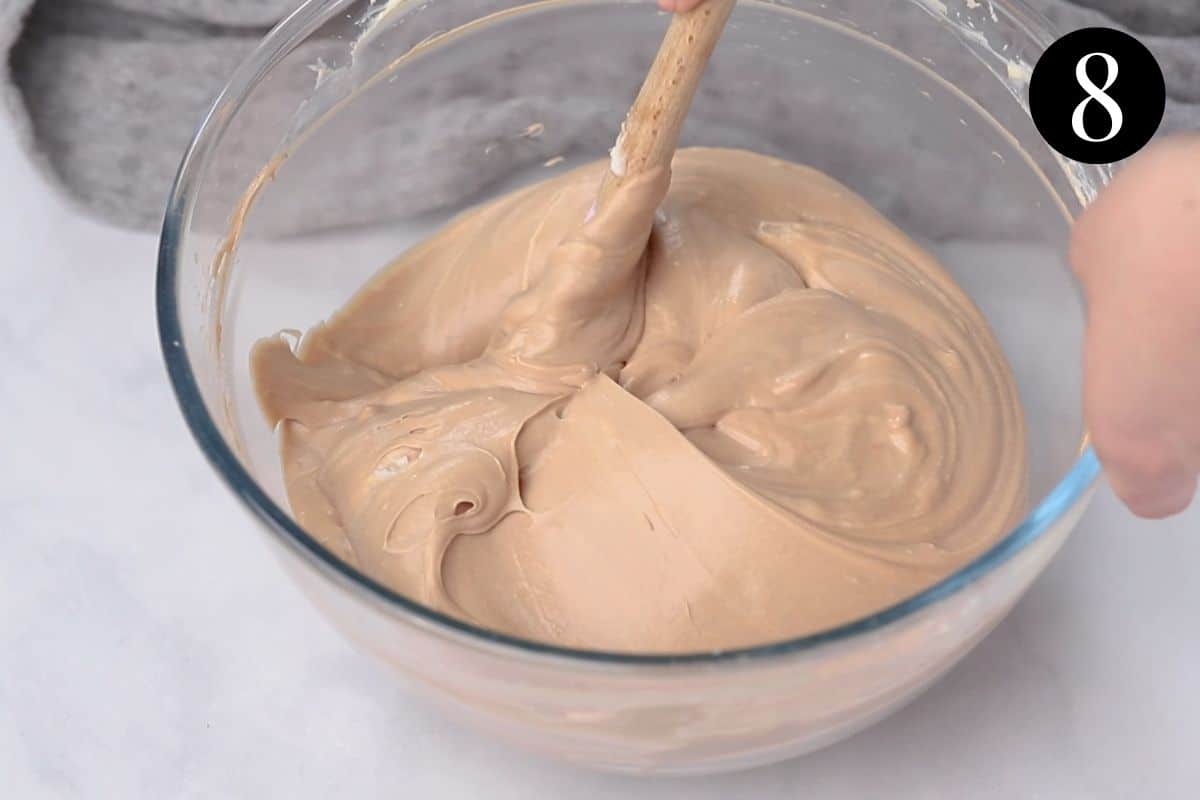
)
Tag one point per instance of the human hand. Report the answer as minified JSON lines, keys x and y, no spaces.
{"x":1137,"y":252}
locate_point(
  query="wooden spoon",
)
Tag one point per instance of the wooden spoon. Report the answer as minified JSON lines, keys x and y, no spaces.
{"x":650,"y":132}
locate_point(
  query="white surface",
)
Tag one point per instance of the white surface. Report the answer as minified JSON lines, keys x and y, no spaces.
{"x":151,"y":647}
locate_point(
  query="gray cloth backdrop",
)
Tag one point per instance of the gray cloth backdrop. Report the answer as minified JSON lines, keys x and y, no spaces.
{"x":75,"y":81}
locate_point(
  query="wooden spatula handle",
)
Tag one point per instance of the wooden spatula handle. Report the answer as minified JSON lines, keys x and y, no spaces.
{"x":651,"y":130}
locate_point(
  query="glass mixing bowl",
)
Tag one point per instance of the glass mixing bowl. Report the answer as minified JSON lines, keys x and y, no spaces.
{"x":376,"y":121}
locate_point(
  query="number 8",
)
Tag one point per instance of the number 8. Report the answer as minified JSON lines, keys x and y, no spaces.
{"x":1097,"y":93}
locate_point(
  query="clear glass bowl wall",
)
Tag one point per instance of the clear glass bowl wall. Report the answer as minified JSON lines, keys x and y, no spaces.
{"x":388,"y":126}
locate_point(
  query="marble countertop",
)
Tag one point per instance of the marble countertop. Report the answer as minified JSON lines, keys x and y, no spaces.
{"x":151,"y":647}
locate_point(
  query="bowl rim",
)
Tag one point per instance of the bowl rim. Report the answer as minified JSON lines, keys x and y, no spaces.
{"x":1073,"y":488}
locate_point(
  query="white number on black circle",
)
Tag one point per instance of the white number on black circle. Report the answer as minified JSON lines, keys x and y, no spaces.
{"x":1115,"y":115}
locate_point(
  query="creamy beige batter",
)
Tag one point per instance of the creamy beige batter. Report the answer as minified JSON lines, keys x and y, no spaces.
{"x":733,"y":406}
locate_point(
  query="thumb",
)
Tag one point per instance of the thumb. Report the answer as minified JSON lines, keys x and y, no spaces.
{"x":1149,"y":479}
{"x":1137,"y":255}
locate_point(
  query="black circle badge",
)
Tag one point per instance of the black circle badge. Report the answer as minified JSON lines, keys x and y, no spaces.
{"x":1097,"y":95}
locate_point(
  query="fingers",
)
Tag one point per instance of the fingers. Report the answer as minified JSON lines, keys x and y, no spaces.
{"x":1154,"y":499}
{"x":678,"y":6}
{"x":1148,"y":476}
{"x":1136,"y":401}
{"x":1137,"y":254}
